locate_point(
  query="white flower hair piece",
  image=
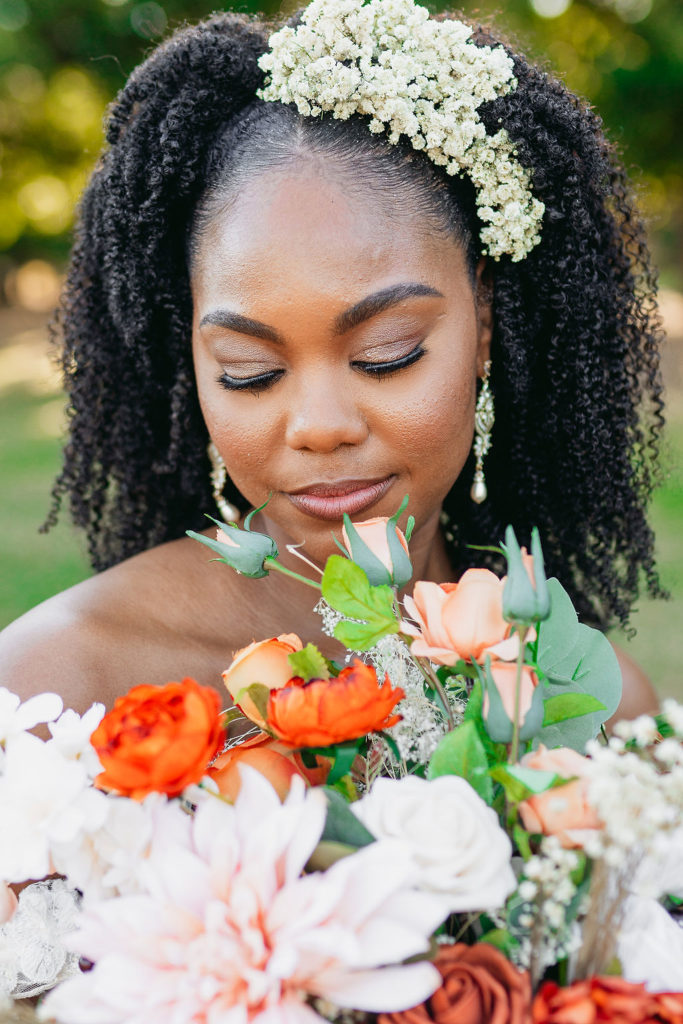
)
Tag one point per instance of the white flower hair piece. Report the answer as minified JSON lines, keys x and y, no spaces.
{"x":416,"y":77}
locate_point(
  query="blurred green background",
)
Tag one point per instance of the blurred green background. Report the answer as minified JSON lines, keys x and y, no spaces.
{"x":61,"y":61}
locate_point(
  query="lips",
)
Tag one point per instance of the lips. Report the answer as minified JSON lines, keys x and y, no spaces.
{"x":332,"y":500}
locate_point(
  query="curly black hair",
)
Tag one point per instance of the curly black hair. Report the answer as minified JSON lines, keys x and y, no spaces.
{"x":574,"y":354}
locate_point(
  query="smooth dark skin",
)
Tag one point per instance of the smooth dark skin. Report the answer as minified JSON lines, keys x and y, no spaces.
{"x":295,"y":252}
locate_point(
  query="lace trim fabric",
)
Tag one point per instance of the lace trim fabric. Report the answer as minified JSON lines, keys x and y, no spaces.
{"x":33,"y":957}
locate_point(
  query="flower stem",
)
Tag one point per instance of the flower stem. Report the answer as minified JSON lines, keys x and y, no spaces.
{"x":434,"y":681}
{"x":514,"y":750}
{"x":273,"y":564}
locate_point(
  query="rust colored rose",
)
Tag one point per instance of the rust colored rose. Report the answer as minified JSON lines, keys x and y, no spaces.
{"x":275,"y":761}
{"x":326,"y":711}
{"x":158,"y":739}
{"x":265,"y":662}
{"x":605,"y":999}
{"x":480,"y":986}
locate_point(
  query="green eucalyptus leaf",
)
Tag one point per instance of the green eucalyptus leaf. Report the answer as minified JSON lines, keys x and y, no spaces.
{"x":575,"y":659}
{"x":309,"y":663}
{"x":341,"y":824}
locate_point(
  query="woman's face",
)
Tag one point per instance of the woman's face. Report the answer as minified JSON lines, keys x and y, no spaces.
{"x":337,"y":347}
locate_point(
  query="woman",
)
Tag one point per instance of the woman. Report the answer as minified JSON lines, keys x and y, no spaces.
{"x":322,"y":299}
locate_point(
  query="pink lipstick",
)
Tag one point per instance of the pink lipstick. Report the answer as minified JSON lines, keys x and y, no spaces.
{"x":331,"y":500}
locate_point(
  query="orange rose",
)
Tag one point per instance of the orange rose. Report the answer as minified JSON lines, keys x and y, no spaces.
{"x":272,"y":759}
{"x":480,"y":986}
{"x":458,"y":620}
{"x":158,"y":739}
{"x":265,"y":662}
{"x":563,"y":811}
{"x":605,"y":999}
{"x":326,"y":711}
{"x":504,"y":674}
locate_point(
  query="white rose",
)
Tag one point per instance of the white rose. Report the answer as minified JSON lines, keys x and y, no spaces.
{"x":650,"y":946}
{"x":457,"y":844}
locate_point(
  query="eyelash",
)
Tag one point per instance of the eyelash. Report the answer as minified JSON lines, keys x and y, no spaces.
{"x":377,"y":371}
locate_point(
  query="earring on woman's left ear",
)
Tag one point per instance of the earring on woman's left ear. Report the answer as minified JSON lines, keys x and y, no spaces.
{"x":219,"y":475}
{"x":483,"y":425}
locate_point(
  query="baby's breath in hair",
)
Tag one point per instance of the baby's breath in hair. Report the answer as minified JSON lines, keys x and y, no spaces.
{"x":416,"y":77}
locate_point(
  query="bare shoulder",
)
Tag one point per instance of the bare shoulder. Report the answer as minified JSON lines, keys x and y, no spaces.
{"x":140,"y":621}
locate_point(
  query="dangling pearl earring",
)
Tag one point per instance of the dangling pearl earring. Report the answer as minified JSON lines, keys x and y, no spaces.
{"x":219,"y":475}
{"x":483,"y":424}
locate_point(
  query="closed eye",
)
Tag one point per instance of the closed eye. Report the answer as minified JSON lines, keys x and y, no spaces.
{"x":262,"y":381}
{"x":258,"y":383}
{"x":379,"y":370}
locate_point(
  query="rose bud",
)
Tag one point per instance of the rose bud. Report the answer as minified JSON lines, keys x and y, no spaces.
{"x":380,"y":548}
{"x":526,"y":598}
{"x":245,"y":551}
{"x":499,"y":680}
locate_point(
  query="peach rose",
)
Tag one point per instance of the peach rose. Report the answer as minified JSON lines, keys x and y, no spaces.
{"x":480,"y":986}
{"x":265,"y":662}
{"x":272,"y":759}
{"x":563,"y":811}
{"x":158,"y":739}
{"x":458,"y":620}
{"x":605,"y":1000}
{"x":373,"y":532}
{"x":8,"y":902}
{"x":504,"y":674}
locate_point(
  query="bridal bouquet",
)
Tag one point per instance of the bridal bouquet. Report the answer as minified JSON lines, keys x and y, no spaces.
{"x":435,"y":829}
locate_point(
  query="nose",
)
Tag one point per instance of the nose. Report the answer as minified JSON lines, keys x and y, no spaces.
{"x":323,"y":415}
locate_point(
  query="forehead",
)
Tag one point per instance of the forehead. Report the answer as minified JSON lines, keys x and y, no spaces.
{"x":301,"y":230}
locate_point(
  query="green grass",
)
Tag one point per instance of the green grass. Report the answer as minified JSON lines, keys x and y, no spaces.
{"x":34,"y":566}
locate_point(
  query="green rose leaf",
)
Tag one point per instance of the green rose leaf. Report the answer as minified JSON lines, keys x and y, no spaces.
{"x":309,"y":663}
{"x":564,"y":706}
{"x":515,"y":785}
{"x":259,"y":694}
{"x":461,"y":752}
{"x":346,"y":588}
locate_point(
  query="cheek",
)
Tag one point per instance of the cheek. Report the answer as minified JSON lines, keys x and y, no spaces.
{"x":244,"y":428}
{"x":433,"y":421}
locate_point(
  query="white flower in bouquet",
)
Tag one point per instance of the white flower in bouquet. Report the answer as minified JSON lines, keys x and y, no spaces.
{"x":650,"y":946}
{"x":16,"y":717}
{"x":46,"y":801}
{"x":461,"y":852}
{"x":227,"y":925}
{"x":111,"y":860}
{"x":71,"y":735}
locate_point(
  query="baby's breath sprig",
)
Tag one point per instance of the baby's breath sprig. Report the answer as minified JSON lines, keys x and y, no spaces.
{"x":416,"y":77}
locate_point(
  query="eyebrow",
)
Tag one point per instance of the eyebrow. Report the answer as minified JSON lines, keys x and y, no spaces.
{"x":351,"y":317}
{"x":378,"y":302}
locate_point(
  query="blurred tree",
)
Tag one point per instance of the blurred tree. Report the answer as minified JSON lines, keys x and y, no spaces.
{"x":61,"y":61}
